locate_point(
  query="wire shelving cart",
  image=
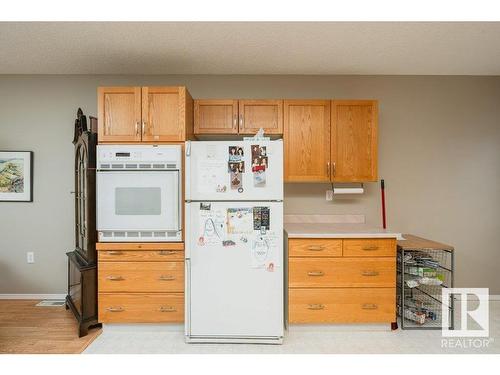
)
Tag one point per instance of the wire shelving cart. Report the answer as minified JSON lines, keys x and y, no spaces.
{"x":424,"y":268}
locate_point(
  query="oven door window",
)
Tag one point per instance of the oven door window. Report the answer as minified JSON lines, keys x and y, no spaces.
{"x":138,"y":200}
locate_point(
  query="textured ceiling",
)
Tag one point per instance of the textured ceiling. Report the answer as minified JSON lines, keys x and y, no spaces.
{"x":250,"y":48}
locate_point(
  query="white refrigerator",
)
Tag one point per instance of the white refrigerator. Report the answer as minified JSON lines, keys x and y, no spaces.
{"x":234,"y":242}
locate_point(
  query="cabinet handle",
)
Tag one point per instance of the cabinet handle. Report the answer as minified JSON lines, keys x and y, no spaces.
{"x":235,"y":121}
{"x":241,"y":121}
{"x":115,"y":278}
{"x":143,"y":127}
{"x":166,"y":252}
{"x":369,"y":273}
{"x":115,"y":252}
{"x":369,"y":306}
{"x":115,"y":309}
{"x":166,"y":278}
{"x":370,"y":248}
{"x":333,"y":167}
{"x":328,"y":169}
{"x":316,"y":306}
{"x":315,"y":248}
{"x":168,"y":309}
{"x":315,"y":273}
{"x":137,"y":128}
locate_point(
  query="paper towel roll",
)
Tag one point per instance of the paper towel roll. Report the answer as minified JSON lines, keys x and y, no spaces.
{"x":339,"y":191}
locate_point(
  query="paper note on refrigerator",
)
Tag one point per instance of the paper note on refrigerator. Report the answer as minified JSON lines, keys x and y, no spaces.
{"x":212,"y":226}
{"x":213,"y":176}
{"x":265,"y":252}
{"x":239,"y":220}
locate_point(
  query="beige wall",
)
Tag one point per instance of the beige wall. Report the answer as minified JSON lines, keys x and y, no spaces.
{"x":439,"y":152}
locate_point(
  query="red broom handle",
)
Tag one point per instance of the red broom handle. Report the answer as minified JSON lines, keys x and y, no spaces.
{"x":382,"y":189}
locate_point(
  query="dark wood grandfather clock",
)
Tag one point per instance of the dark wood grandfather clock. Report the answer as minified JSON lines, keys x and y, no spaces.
{"x":82,"y":261}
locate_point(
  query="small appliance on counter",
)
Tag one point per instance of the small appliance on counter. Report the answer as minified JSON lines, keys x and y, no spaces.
{"x":139,"y":193}
{"x":82,"y":261}
{"x":234,"y":242}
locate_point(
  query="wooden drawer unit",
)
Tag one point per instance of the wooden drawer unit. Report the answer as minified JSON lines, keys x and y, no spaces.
{"x":141,"y":255}
{"x":141,"y":277}
{"x":314,"y":248}
{"x":140,"y":282}
{"x":375,"y":247}
{"x":342,"y":305}
{"x":342,"y":272}
{"x":351,"y":280}
{"x":141,"y":308}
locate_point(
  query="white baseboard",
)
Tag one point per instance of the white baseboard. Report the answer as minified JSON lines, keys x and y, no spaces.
{"x":32,"y":296}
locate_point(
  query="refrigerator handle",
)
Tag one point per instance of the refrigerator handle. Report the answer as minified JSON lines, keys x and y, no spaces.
{"x":187,"y":299}
{"x":188,"y":148}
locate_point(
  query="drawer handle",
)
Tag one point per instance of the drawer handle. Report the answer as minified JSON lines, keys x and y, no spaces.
{"x":115,"y":309}
{"x":166,"y":278}
{"x":369,"y":273}
{"x":315,"y":248}
{"x":316,"y":306}
{"x":168,"y":309}
{"x":166,"y":252}
{"x":370,"y":248}
{"x":369,"y":306}
{"x":115,"y":252}
{"x":315,"y":273}
{"x":115,"y":278}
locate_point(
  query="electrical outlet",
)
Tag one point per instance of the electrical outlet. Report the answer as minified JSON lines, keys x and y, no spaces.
{"x":329,"y":195}
{"x":30,"y":257}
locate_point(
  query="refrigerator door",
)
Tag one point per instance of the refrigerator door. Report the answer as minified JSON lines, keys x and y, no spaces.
{"x":234,"y":278}
{"x":234,"y":170}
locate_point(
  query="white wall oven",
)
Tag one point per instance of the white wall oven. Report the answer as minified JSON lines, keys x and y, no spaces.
{"x":139,"y":193}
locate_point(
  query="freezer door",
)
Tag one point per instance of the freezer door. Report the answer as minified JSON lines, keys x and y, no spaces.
{"x":237,"y":170}
{"x":234,"y":278}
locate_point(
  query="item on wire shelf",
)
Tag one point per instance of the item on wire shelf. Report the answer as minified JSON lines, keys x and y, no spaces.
{"x":421,"y":306}
{"x":430,"y":281}
{"x":412,"y":283}
{"x":422,"y":271}
{"x":416,"y":316}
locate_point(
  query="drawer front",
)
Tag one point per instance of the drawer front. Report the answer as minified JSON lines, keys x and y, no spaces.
{"x":140,"y":255}
{"x":141,"y":277}
{"x":342,"y":272}
{"x":314,"y":247}
{"x":370,"y":247}
{"x":141,"y":308}
{"x":342,"y":305}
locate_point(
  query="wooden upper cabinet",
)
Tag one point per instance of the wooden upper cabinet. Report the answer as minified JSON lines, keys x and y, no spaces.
{"x":307,"y":140}
{"x":354,"y":140}
{"x":214,"y":116}
{"x":256,"y":114}
{"x":161,"y":118}
{"x":119,"y":111}
{"x":147,"y":114}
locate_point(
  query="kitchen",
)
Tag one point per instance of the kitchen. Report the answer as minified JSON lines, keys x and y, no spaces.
{"x":336,"y":132}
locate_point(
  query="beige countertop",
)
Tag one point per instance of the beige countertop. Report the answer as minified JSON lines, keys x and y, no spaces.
{"x":337,"y":230}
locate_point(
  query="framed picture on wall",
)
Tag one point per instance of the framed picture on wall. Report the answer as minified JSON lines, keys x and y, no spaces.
{"x":16,"y":176}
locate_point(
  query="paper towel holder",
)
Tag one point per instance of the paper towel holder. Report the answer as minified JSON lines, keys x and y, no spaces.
{"x":348,"y":190}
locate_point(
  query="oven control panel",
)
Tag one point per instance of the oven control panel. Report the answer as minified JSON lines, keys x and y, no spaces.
{"x":139,"y":157}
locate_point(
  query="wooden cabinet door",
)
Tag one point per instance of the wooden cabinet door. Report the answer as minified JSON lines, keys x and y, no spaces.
{"x":307,"y":140}
{"x":354,"y":140}
{"x":161,"y":114}
{"x":214,"y":116}
{"x":119,"y":111}
{"x":265,"y":114}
